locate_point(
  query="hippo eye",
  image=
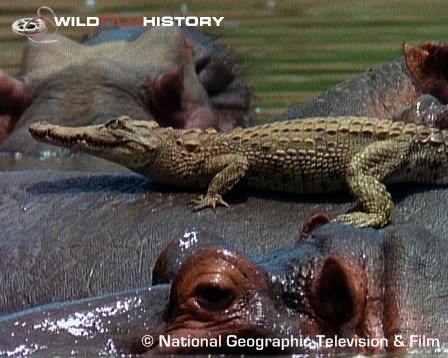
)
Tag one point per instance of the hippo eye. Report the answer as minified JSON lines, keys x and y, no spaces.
{"x":213,"y":298}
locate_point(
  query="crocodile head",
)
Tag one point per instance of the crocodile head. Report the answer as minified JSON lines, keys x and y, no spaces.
{"x":131,"y":143}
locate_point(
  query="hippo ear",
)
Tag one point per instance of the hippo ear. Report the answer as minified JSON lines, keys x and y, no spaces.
{"x":312,"y":223}
{"x":178,"y":99}
{"x":428,"y":65}
{"x":12,"y":101}
{"x":338,"y":294}
{"x":229,"y":96}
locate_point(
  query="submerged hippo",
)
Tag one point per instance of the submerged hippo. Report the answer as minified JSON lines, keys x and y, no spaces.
{"x":76,"y":235}
{"x":384,"y":90}
{"x":341,"y":290}
{"x":177,"y":76}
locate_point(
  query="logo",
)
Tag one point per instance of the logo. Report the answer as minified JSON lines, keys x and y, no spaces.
{"x":32,"y":27}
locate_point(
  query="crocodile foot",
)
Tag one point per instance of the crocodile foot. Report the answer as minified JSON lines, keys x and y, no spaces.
{"x":208,"y":201}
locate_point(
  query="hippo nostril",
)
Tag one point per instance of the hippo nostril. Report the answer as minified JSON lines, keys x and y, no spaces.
{"x":213,"y":298}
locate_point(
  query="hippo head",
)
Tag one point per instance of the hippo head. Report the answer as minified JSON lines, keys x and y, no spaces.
{"x":226,"y":297}
{"x":341,"y":289}
{"x":175,"y":76}
{"x":428,"y":66}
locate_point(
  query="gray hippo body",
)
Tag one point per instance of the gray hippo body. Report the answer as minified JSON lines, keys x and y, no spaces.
{"x":72,"y":235}
{"x":384,"y":90}
{"x":341,"y":284}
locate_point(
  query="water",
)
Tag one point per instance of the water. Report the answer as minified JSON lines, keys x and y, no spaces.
{"x":289,"y":50}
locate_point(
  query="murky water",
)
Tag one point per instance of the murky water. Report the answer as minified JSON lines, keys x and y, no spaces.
{"x":288,"y":51}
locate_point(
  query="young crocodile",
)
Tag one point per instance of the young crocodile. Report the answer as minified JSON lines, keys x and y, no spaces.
{"x":303,"y":156}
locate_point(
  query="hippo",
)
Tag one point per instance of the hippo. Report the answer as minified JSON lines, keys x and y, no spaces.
{"x":427,"y":110}
{"x":175,"y":75}
{"x":384,"y":90}
{"x":52,"y":241}
{"x":72,"y":235}
{"x":339,"y":290}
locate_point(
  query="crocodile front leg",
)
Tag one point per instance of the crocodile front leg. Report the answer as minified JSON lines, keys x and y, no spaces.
{"x":228,"y":170}
{"x":364,"y":175}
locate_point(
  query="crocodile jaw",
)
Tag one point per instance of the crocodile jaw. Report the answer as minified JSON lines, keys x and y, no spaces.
{"x":119,"y":146}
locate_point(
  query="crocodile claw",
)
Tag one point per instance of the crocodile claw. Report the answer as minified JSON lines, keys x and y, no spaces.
{"x":208,"y":201}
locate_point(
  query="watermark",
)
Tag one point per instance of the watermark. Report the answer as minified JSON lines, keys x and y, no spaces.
{"x":413,"y":341}
{"x":32,"y":27}
{"x":291,"y":342}
{"x":122,"y":21}
{"x":147,"y":340}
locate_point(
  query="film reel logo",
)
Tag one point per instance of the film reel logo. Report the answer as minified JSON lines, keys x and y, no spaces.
{"x":31,"y":27}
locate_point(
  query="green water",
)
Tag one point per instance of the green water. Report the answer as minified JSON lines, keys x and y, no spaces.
{"x":287,"y":50}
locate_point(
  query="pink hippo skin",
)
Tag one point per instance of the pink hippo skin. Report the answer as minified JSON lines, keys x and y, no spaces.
{"x":176,"y":76}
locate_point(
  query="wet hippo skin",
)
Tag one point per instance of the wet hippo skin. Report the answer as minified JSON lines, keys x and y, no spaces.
{"x":72,"y":235}
{"x":338,"y":282}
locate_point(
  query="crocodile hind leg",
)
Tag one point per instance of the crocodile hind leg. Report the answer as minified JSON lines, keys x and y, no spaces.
{"x":364,"y":175}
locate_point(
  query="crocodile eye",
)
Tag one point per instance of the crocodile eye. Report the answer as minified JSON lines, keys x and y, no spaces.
{"x":115,"y":124}
{"x":213,"y":298}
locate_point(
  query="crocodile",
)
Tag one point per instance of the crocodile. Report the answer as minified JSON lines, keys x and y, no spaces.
{"x":314,"y":155}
